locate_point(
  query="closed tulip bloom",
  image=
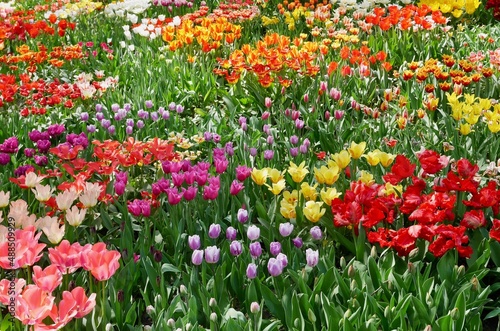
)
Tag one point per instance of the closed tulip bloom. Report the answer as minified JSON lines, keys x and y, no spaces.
{"x":342,"y":159}
{"x":286,"y":229}
{"x":313,"y":211}
{"x":212,"y":254}
{"x":235,"y":248}
{"x":297,"y":242}
{"x":259,"y":176}
{"x":252,"y":271}
{"x":356,"y":150}
{"x":197,"y":257}
{"x":4,"y":199}
{"x":274,"y":267}
{"x":312,"y":257}
{"x":316,"y":233}
{"x":214,"y":231}
{"x":242,"y":215}
{"x":255,"y":249}
{"x":275,"y":248}
{"x":253,"y":232}
{"x":52,"y":229}
{"x":236,"y":187}
{"x":231,"y":233}
{"x":283,"y":259}
{"x":194,"y":242}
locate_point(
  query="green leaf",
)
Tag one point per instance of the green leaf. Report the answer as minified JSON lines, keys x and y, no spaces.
{"x":273,"y":304}
{"x":131,"y":315}
{"x":445,"y":265}
{"x":460,"y":305}
{"x":374,"y":272}
{"x":193,"y":310}
{"x":445,"y":323}
{"x":420,"y":310}
{"x":167,"y":267}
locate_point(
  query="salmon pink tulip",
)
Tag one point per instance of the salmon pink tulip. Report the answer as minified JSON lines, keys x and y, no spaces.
{"x":101,"y":262}
{"x":47,"y":279}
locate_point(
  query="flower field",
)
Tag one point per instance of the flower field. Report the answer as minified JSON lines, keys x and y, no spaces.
{"x":249,"y":165}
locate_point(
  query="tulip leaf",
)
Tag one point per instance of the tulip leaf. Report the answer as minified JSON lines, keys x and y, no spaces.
{"x":460,"y":306}
{"x":272,"y":303}
{"x":131,"y":315}
{"x":420,"y":310}
{"x":193,"y":310}
{"x":495,"y":252}
{"x":167,"y":267}
{"x":343,"y":287}
{"x":444,"y":266}
{"x":445,"y":323}
{"x":374,"y":272}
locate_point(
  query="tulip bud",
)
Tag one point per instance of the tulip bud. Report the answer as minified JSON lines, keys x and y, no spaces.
{"x":351,"y":272}
{"x":461,"y":271}
{"x":387,"y":313}
{"x":254,"y":307}
{"x":109,"y":327}
{"x":342,"y":262}
{"x":252,"y":271}
{"x":411,"y":267}
{"x":212,"y":302}
{"x":214,"y":231}
{"x":120,"y":296}
{"x":354,"y":285}
{"x":188,"y":326}
{"x":171,"y":322}
{"x":311,"y":316}
{"x":348,"y":313}
{"x":373,"y":252}
{"x":455,"y":314}
{"x":183,"y":289}
{"x":213,"y":317}
{"x":150,"y":310}
{"x":475,"y":284}
{"x":413,"y":253}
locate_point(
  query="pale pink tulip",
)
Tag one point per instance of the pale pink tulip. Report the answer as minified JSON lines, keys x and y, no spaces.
{"x":33,"y":305}
{"x":48,"y":279}
{"x":5,"y":289}
{"x":67,"y":257}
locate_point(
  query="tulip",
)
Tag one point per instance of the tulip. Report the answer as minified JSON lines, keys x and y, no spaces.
{"x":214,"y":231}
{"x":274,"y":267}
{"x":235,"y":248}
{"x":242,"y":215}
{"x":194,"y":242}
{"x":313,"y":211}
{"x":316,"y":233}
{"x":255,"y":249}
{"x":101,"y":263}
{"x":286,"y":229}
{"x":197,"y":257}
{"x":75,"y":216}
{"x":297,"y":242}
{"x":231,"y":233}
{"x":254,"y":307}
{"x":312,"y":257}
{"x":253,"y":232}
{"x":48,"y":279}
{"x":275,"y":248}
{"x":251,"y":271}
{"x":356,"y":150}
{"x":298,"y":172}
{"x":212,"y":254}
{"x":283,"y":259}
{"x":259,"y":176}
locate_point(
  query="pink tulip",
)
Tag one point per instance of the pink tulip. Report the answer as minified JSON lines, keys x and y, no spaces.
{"x":28,"y":250}
{"x":5,"y":296}
{"x":48,"y":279}
{"x":33,"y":305}
{"x":101,"y":262}
{"x":67,"y":257}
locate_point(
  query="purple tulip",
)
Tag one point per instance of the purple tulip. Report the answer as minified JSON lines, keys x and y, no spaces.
{"x":253,"y":232}
{"x":235,"y":248}
{"x":286,"y":229}
{"x":231,"y":233}
{"x":283,"y":259}
{"x":255,"y":249}
{"x":312,"y":257}
{"x":316,"y":233}
{"x":197,"y":257}
{"x":274,"y":267}
{"x":214,"y":231}
{"x":212,"y":254}
{"x":242,"y":215}
{"x":275,"y":248}
{"x":297,"y":242}
{"x":194,"y":242}
{"x":252,"y":271}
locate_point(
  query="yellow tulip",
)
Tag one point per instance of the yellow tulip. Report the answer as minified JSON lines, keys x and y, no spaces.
{"x":366,"y":178}
{"x":309,"y":192}
{"x":373,"y":157}
{"x":287,"y":210}
{"x":259,"y":176}
{"x":342,"y":159}
{"x":276,"y":188}
{"x":329,"y":194}
{"x":386,"y":159}
{"x":298,"y":172}
{"x":291,"y":197}
{"x":313,"y":211}
{"x":465,"y":129}
{"x":356,"y":150}
{"x":326,"y":175}
{"x":392,"y":189}
{"x":275,"y":175}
